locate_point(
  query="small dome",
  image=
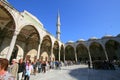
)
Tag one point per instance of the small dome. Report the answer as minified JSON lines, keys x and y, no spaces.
{"x":70,"y":41}
{"x":80,"y":40}
{"x":107,"y":36}
{"x":93,"y":38}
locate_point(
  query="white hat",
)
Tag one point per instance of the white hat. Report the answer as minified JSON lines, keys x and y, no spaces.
{"x":15,"y":60}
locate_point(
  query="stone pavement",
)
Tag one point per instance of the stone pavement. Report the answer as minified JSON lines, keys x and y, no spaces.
{"x":77,"y":72}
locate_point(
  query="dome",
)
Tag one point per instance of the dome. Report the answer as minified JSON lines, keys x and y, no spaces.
{"x":80,"y":40}
{"x":70,"y":41}
{"x":93,"y":38}
{"x":107,"y":36}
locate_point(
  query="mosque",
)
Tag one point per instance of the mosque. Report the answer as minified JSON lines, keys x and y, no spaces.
{"x":22,"y":35}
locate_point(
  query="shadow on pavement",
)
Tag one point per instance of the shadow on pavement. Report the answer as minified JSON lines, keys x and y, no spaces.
{"x":79,"y":74}
{"x":91,"y":74}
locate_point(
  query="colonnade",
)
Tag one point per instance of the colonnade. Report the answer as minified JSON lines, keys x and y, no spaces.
{"x":25,"y":31}
{"x":106,"y":48}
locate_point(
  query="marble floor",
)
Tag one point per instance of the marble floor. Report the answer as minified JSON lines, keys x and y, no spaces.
{"x":77,"y":72}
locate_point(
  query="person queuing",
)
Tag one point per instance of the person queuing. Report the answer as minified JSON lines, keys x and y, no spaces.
{"x":28,"y":69}
{"x":14,"y":68}
{"x":21,"y":69}
{"x":4,"y":74}
{"x":44,"y":66}
{"x":39,"y":65}
{"x":34,"y":67}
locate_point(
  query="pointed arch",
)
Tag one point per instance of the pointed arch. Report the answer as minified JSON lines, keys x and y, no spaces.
{"x":8,"y":26}
{"x":56,"y":50}
{"x":97,"y":51}
{"x":113,"y":49}
{"x":28,"y":38}
{"x":69,"y":53}
{"x":46,"y":46}
{"x":82,"y":53}
{"x":62,"y":53}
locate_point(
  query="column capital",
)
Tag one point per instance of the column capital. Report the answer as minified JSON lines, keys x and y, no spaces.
{"x":16,"y":33}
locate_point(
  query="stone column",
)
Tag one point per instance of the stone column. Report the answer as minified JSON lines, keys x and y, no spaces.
{"x":12,"y":44}
{"x":51,"y":53}
{"x":75,"y":55}
{"x":90,"y":58}
{"x":106,"y":55}
{"x":38,"y":52}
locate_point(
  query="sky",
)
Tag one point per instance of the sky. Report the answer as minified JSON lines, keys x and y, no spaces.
{"x":80,"y":19}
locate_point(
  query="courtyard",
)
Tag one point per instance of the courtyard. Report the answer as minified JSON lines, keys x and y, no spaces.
{"x":78,"y":72}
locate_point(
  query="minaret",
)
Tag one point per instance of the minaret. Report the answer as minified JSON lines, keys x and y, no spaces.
{"x":58,"y":26}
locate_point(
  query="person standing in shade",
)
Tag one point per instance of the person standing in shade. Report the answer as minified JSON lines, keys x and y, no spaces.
{"x":89,"y":64}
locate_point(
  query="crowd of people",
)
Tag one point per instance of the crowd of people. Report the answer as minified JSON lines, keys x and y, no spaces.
{"x":21,"y":70}
{"x":105,"y":65}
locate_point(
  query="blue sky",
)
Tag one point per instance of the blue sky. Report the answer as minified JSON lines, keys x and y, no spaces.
{"x":80,"y":19}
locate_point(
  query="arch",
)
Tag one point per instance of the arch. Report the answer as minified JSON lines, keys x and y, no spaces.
{"x":97,"y":51}
{"x":17,"y":53}
{"x":113,"y":49}
{"x":14,"y":53}
{"x":44,"y":56}
{"x":56,"y":50}
{"x":69,"y":53}
{"x":20,"y":53}
{"x":31,"y":55}
{"x":37,"y":29}
{"x":28,"y":38}
{"x":8,"y":26}
{"x":82,"y":53}
{"x":46,"y":45}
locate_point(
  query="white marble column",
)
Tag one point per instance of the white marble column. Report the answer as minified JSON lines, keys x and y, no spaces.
{"x":38,"y":52}
{"x":106,"y":55}
{"x":75,"y":55}
{"x":90,"y":58}
{"x":12,"y":44}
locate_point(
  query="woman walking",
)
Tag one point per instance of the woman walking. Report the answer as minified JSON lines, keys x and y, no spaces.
{"x":28,"y":70}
